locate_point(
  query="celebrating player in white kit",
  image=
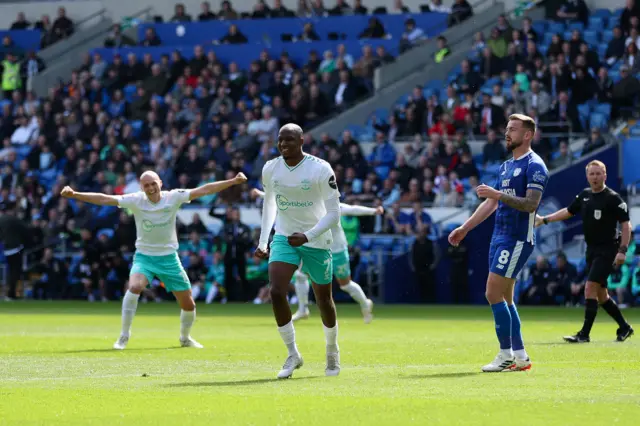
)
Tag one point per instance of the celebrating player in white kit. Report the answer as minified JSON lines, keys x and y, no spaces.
{"x":302,"y":198}
{"x":156,"y":254}
{"x":341,"y":266}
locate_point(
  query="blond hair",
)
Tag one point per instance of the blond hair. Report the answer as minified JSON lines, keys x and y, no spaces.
{"x":596,"y":163}
{"x":527,"y":122}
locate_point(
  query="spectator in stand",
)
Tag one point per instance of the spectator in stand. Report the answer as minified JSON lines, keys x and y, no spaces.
{"x":117,"y":39}
{"x":205,"y":12}
{"x":179,"y":14}
{"x":399,"y":8}
{"x":631,"y":58}
{"x":468,"y":81}
{"x":237,"y":237}
{"x":630,"y":11}
{"x":540,"y":275}
{"x":446,"y":196}
{"x":20,"y":23}
{"x":437,"y":6}
{"x":574,"y":10}
{"x":45,"y":26}
{"x":564,"y":157}
{"x":412,"y":36}
{"x":493,"y":151}
{"x":375,"y":29}
{"x":150,"y":38}
{"x":443,"y":49}
{"x":616,"y":47}
{"x":595,"y":141}
{"x":340,"y":9}
{"x":62,"y":27}
{"x":234,"y":36}
{"x":460,"y":12}
{"x":227,"y":12}
{"x":564,"y":279}
{"x":424,"y":259}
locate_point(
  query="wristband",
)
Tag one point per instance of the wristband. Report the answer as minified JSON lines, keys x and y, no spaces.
{"x":545,"y":220}
{"x":623,"y":249}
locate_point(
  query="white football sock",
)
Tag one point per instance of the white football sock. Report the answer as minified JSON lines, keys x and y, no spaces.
{"x":288,"y":334}
{"x":195,"y":292}
{"x":355,"y":291}
{"x":331,"y":338}
{"x":302,"y":292}
{"x":521,"y":354}
{"x":129,"y":306}
{"x":186,"y":321}
{"x":211,"y":294}
{"x":507,"y":352}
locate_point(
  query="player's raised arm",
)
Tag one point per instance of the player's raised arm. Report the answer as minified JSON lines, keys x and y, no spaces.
{"x":90,"y":197}
{"x":349,"y":210}
{"x":269,"y":212}
{"x":215,"y":187}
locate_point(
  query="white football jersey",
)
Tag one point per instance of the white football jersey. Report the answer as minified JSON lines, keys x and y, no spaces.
{"x":155,"y":222}
{"x":300,"y":193}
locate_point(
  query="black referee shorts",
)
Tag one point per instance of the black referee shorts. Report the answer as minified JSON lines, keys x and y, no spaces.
{"x":600,"y":264}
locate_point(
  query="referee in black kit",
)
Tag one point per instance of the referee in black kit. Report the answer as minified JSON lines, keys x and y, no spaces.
{"x":601,"y":209}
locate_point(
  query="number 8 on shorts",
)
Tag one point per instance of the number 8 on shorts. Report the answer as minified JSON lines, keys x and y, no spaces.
{"x":508,"y":257}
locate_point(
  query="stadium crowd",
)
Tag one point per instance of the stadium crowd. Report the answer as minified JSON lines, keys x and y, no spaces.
{"x":202,"y":120}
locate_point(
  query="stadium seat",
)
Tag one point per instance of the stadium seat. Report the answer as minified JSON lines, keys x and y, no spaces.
{"x":603,"y":109}
{"x":106,"y":231}
{"x":598,"y":120}
{"x":596,"y":23}
{"x":591,"y":37}
{"x":576,"y":26}
{"x":556,"y":28}
{"x":607,"y":36}
{"x":583,"y":115}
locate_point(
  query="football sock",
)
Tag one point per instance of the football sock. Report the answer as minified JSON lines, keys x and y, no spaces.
{"x":129,"y":306}
{"x":195,"y":292}
{"x":355,"y":291}
{"x":331,"y":338}
{"x":288,"y":334}
{"x":612,"y":309}
{"x":590,"y":312}
{"x":516,"y":335}
{"x":186,"y":321}
{"x":302,"y":291}
{"x":211,"y":294}
{"x":503,"y":325}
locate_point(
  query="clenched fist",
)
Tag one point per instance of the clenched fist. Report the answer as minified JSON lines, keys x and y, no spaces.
{"x":67,"y":192}
{"x":240,"y":178}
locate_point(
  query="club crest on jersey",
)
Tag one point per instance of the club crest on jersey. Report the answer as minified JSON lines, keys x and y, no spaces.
{"x":516,"y":172}
{"x":597,"y":214}
{"x":305,"y":184}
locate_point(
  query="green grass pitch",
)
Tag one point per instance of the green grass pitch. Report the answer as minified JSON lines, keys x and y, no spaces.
{"x":412,"y":365}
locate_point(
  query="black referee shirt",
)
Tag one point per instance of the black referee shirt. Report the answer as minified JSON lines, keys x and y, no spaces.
{"x":601,"y":212}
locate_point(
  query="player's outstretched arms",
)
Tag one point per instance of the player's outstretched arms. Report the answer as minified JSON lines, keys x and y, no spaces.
{"x":329,"y":220}
{"x":215,"y":187}
{"x":483,"y":211}
{"x":269,"y":212}
{"x":349,"y":210}
{"x":90,"y":197}
{"x":559,"y":216}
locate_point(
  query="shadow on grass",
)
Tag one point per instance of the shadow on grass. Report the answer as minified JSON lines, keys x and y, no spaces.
{"x":235,"y":382}
{"x":87,"y":351}
{"x":559,"y":342}
{"x":442,"y":375}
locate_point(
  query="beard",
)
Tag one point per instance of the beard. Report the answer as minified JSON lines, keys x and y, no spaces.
{"x":513,"y":145}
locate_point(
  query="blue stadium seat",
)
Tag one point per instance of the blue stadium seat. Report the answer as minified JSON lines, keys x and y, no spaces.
{"x":612,"y":23}
{"x":556,"y":27}
{"x":540,"y":27}
{"x":381,"y":115}
{"x":615,"y":76}
{"x":601,"y":13}
{"x":583,"y":114}
{"x":598,"y":120}
{"x":607,"y":36}
{"x":603,"y":109}
{"x":548,"y":38}
{"x":576,"y":26}
{"x":596,"y":23}
{"x":591,"y":37}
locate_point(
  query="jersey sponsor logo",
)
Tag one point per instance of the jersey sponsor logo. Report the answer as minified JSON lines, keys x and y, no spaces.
{"x":148,"y":226}
{"x":505,"y":182}
{"x":597,"y":214}
{"x":539,"y":177}
{"x":516,"y":172}
{"x":509,"y":191}
{"x":284,"y":204}
{"x":332,"y":182}
{"x":623,"y":206}
{"x":305,"y":184}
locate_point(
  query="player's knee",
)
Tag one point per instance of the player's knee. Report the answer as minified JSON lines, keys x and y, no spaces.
{"x":493,"y":296}
{"x":188,"y":304}
{"x":277,"y":293}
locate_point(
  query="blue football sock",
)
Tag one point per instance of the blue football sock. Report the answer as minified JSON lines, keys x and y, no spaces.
{"x":503,"y":324}
{"x":516,"y":336}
